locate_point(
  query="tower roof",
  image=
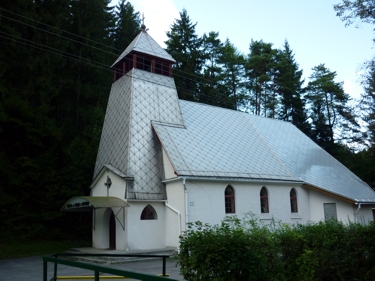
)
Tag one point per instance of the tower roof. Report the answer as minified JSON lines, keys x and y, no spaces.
{"x":144,"y":43}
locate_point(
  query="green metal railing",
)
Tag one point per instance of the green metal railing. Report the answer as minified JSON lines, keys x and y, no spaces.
{"x":103,"y":269}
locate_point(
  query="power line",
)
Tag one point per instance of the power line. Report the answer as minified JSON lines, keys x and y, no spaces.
{"x":195,"y":78}
{"x":58,"y":29}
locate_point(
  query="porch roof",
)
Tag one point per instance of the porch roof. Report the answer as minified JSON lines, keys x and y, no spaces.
{"x":87,"y":203}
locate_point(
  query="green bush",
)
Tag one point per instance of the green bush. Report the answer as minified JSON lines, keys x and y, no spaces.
{"x":251,"y":250}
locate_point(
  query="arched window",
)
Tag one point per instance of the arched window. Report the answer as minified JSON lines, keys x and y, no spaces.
{"x":264,"y":200}
{"x":293,"y":201}
{"x":229,"y":200}
{"x":149,"y":213}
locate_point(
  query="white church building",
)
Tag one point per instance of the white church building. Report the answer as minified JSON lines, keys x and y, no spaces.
{"x":164,"y":162}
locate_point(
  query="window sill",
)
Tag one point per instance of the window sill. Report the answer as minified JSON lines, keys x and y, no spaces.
{"x":295,"y":216}
{"x":266,"y":216}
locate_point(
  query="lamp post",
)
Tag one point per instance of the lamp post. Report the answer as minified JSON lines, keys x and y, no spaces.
{"x":108,"y":184}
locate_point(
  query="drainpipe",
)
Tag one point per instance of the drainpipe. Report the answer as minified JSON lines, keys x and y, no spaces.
{"x":356,"y":213}
{"x":186,"y":202}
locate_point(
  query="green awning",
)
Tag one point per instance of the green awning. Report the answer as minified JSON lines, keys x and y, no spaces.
{"x":87,"y":203}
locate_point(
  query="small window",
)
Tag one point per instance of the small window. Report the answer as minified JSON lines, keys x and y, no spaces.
{"x":264,"y":200}
{"x":144,"y":64}
{"x":330,"y":211}
{"x":229,"y":200}
{"x":149,"y":213}
{"x":165,"y":69}
{"x":158,"y":66}
{"x":293,"y":201}
{"x":162,"y":68}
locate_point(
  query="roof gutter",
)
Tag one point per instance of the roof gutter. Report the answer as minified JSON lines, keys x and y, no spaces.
{"x":232,"y":179}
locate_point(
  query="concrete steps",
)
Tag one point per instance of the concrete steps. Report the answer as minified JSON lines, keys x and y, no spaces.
{"x":171,"y":251}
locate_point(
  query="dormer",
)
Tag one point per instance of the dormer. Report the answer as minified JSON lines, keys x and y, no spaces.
{"x":145,"y":54}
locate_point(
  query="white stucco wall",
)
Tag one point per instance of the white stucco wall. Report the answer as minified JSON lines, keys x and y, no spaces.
{"x":117,"y":188}
{"x":100,"y":236}
{"x":173,"y":224}
{"x":206,"y":201}
{"x":168,"y":168}
{"x":345,"y":210}
{"x":365,"y":214}
{"x":145,"y":234}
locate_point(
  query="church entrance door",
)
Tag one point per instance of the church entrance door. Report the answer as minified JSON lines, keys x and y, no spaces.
{"x":112,"y":232}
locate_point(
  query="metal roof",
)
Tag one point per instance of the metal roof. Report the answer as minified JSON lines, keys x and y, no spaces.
{"x":144,"y":43}
{"x":127,"y":144}
{"x":87,"y":203}
{"x":218,"y":142}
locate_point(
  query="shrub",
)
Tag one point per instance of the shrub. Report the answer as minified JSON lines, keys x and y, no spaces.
{"x":251,"y":250}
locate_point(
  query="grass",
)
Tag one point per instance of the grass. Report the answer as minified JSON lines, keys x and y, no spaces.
{"x":18,"y":249}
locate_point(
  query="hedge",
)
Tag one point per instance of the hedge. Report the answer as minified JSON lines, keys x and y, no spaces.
{"x":250,"y":250}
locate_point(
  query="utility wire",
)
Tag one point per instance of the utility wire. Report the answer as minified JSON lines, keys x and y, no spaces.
{"x":195,"y":78}
{"x":56,"y":28}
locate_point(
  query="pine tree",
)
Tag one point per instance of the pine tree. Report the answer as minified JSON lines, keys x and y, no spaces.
{"x":185,"y":47}
{"x":290,"y":91}
{"x":332,"y":118}
{"x":32,"y":56}
{"x":213,"y":76}
{"x":52,"y":107}
{"x":233,"y":70}
{"x":261,"y":78}
{"x":127,"y":25}
{"x":368,"y":102}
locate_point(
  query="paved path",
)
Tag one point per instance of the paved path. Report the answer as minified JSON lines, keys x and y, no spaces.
{"x":31,"y":269}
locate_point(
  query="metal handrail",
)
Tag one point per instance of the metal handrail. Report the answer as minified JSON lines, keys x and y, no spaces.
{"x":98,"y":268}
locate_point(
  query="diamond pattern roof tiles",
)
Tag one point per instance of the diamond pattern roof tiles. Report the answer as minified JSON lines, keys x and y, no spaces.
{"x":128,"y":142}
{"x":217,"y":142}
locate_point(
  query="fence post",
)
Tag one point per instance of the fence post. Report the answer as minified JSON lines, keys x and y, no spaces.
{"x":96,"y":275}
{"x":44,"y":270}
{"x":164,"y":265}
{"x":55,"y":271}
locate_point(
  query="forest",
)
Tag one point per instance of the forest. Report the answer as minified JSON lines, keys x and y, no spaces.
{"x":55,"y":80}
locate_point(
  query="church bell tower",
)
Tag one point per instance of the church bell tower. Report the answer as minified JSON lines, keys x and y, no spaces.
{"x":143,"y":92}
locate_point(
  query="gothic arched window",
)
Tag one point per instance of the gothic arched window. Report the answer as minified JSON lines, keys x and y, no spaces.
{"x":149,"y":213}
{"x":293,"y":201}
{"x":264,"y":200}
{"x":229,"y":200}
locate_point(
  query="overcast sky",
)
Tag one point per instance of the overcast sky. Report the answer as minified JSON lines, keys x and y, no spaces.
{"x":311,"y":27}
